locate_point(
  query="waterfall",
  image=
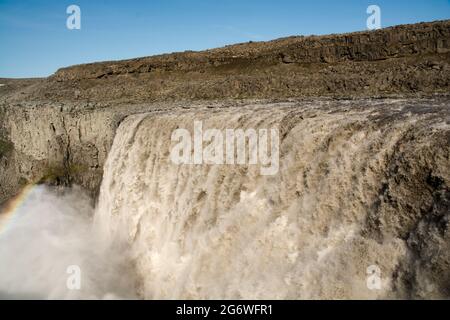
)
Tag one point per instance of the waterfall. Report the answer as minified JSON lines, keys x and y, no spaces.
{"x":207,"y":231}
{"x":355,"y":205}
{"x":48,"y":240}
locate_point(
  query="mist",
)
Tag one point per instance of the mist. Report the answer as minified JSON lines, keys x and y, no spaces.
{"x":49,"y":236}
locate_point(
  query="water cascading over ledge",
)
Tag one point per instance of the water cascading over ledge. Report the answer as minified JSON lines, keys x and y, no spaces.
{"x":358,"y":185}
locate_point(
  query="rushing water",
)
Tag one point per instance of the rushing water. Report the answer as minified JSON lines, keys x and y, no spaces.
{"x":163,"y":230}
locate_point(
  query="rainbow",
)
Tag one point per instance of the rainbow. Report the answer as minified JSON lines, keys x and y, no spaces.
{"x":12,"y":207}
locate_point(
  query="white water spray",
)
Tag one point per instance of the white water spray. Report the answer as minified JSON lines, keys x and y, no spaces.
{"x":165,"y":231}
{"x":50,"y":231}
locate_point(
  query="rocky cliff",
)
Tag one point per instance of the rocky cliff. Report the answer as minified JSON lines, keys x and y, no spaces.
{"x":360,"y":183}
{"x":403,"y":60}
{"x":60,"y":129}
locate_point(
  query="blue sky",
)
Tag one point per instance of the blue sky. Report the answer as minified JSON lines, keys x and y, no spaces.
{"x":34,"y":40}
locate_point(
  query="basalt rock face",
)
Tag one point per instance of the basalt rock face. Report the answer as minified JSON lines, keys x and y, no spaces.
{"x":62,"y":143}
{"x":53,"y":144}
{"x":403,"y":60}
